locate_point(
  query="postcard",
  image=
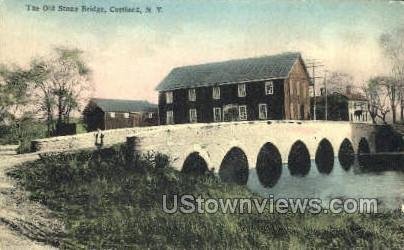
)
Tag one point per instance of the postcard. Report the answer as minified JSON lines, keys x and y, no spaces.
{"x":243,"y":124}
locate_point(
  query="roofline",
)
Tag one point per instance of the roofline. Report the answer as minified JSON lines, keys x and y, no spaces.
{"x":291,"y":68}
{"x":300,"y":59}
{"x":343,"y":95}
{"x":131,"y":112}
{"x":237,"y":59}
{"x":305,"y":68}
{"x":224,"y":83}
{"x":151,"y":108}
{"x":125,"y":100}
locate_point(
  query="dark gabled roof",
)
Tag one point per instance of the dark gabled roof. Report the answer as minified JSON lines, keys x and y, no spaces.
{"x":355,"y":97}
{"x":117,"y":105}
{"x":233,"y":71}
{"x":345,"y":96}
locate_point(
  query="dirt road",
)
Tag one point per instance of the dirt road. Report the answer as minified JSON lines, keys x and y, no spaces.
{"x":24,"y":224}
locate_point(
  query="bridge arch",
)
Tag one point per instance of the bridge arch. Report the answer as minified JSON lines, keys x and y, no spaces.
{"x":217,"y":152}
{"x":269,"y":165}
{"x":234,"y":167}
{"x":324,"y":157}
{"x":363,"y":146}
{"x":195,"y":164}
{"x":200,"y":152}
{"x":346,"y":154}
{"x":299,"y":159}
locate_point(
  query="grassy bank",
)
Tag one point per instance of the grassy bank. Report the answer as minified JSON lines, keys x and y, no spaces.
{"x":104,"y":203}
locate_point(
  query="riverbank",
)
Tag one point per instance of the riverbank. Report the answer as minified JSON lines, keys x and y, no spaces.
{"x":104,"y":203}
{"x":382,"y":161}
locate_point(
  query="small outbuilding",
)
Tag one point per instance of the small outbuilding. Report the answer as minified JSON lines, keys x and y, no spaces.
{"x":115,"y":113}
{"x":346,"y":106}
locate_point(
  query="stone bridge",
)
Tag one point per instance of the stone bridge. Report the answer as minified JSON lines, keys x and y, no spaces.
{"x":233,"y":148}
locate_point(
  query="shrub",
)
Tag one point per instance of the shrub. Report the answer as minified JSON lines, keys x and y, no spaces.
{"x":22,"y":134}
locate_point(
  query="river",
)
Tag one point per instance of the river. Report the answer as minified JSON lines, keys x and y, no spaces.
{"x":386,"y":186}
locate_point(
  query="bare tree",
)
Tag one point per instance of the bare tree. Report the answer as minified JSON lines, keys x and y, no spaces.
{"x":338,"y":82}
{"x":393,"y":92}
{"x":393,"y":47}
{"x":377,"y":97}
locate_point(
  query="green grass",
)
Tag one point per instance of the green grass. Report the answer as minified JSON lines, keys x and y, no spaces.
{"x":106,"y":203}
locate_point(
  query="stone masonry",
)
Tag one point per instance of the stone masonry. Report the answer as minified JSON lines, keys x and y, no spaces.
{"x":212,"y":141}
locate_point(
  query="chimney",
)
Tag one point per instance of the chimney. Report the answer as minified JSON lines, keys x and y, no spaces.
{"x":348,"y":90}
{"x":322,"y":91}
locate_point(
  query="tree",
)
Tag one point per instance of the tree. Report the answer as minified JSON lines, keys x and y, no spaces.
{"x":338,"y":82}
{"x":44,"y":99}
{"x":392,"y":44}
{"x":377,"y":97}
{"x":393,"y":93}
{"x":15,"y":106}
{"x":62,"y":85}
{"x":14,"y":93}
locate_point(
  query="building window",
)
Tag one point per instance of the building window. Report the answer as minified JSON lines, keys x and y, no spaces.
{"x":112,"y":114}
{"x":150,"y":115}
{"x":241,"y":90}
{"x":126,"y":115}
{"x":217,"y":114}
{"x":263,"y":112}
{"x":269,"y":88}
{"x":192,"y":116}
{"x":216,"y":93}
{"x":192,"y":95}
{"x":169,"y":97}
{"x":170,"y":117}
{"x":242,"y":112}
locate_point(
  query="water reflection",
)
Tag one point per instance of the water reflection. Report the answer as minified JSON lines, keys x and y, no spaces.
{"x":382,"y":161}
{"x":299,"y":159}
{"x":269,"y":165}
{"x":357,"y":182}
{"x":346,"y":154}
{"x":324,"y":157}
{"x":234,"y":167}
{"x":363,"y":148}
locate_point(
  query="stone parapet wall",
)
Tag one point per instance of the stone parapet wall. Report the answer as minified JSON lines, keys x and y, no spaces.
{"x":85,"y":140}
{"x":179,"y":138}
{"x":8,"y":149}
{"x":212,"y":141}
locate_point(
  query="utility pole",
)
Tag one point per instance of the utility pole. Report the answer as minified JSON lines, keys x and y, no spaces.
{"x":313,"y":63}
{"x":326,"y":95}
{"x":314,"y":95}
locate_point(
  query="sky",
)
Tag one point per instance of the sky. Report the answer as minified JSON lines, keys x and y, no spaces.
{"x":130,"y":53}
